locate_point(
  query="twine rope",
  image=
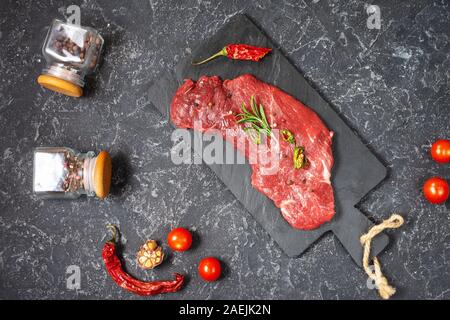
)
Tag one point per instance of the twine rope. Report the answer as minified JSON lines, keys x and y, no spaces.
{"x":384,"y":289}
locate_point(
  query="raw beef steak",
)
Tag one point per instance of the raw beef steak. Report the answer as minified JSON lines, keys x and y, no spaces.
{"x":305,"y":196}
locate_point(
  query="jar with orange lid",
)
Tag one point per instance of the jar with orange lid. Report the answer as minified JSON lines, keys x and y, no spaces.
{"x":72,"y":52}
{"x":64,"y":173}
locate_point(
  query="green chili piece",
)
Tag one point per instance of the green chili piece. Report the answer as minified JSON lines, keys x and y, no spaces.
{"x":299,"y":158}
{"x":287,"y":136}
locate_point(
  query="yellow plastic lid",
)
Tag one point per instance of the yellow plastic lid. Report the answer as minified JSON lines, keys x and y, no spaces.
{"x":60,"y":85}
{"x":102,"y":174}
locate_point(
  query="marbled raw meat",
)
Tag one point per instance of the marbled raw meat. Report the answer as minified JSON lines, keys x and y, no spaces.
{"x":304,"y":196}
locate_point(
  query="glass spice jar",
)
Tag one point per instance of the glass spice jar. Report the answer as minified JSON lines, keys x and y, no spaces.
{"x":64,"y":173}
{"x":72,"y":52}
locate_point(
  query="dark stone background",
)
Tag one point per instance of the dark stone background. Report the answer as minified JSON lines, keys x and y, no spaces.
{"x":390,"y":85}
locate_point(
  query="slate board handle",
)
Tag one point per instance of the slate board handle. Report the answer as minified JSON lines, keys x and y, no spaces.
{"x":351,"y":226}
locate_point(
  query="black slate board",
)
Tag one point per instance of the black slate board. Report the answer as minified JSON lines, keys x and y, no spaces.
{"x":355,"y":172}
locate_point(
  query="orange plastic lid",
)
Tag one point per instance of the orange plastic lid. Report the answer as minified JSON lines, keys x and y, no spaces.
{"x":60,"y":85}
{"x":102,"y":174}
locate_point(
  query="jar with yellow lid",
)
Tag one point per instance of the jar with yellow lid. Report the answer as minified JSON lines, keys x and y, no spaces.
{"x":64,"y":173}
{"x":72,"y":52}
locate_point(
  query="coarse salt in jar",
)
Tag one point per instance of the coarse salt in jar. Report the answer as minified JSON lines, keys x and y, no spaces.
{"x":64,"y":173}
{"x":72,"y":52}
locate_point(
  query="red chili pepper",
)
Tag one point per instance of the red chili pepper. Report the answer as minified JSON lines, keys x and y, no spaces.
{"x":239,"y":52}
{"x":124,"y":280}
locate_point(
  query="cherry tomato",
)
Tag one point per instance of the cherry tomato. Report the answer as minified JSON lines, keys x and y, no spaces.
{"x":179,"y":239}
{"x":436,"y":190}
{"x":440,"y":151}
{"x":209,"y":269}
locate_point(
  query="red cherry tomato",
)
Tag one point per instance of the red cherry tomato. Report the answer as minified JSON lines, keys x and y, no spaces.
{"x":209,"y":269}
{"x":440,"y":151}
{"x":436,"y":190}
{"x":179,"y":239}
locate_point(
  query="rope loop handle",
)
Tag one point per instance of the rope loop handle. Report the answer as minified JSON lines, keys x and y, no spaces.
{"x":384,"y":289}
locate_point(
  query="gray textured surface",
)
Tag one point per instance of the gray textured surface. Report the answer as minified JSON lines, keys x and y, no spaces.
{"x":390,"y":85}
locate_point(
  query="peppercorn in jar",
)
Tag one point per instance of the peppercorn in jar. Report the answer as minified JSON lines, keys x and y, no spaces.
{"x":64,"y":173}
{"x":72,"y":52}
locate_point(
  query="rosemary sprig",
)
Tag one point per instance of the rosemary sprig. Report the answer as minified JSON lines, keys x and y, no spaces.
{"x":258,"y":124}
{"x":256,"y":117}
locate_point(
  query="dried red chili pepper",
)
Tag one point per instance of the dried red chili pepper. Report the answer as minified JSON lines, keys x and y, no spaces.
{"x":124,"y":280}
{"x":239,"y":52}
